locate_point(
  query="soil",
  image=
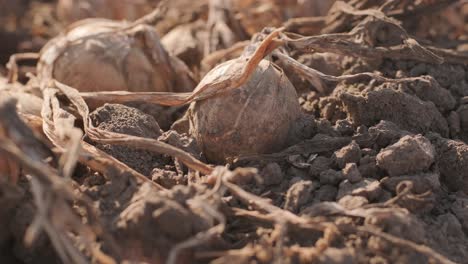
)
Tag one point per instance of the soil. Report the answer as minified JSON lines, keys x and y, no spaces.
{"x":369,"y":171}
{"x":127,"y":120}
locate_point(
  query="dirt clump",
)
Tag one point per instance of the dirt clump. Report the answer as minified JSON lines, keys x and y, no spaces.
{"x":407,"y":111}
{"x":351,"y":172}
{"x":153,"y":221}
{"x":411,"y":154}
{"x":298,"y":195}
{"x":331,"y":177}
{"x":460,"y":122}
{"x":127,"y":120}
{"x":325,"y":193}
{"x":10,"y":197}
{"x":347,"y":154}
{"x":452,"y":162}
{"x":318,"y":165}
{"x":272,"y":174}
{"x":386,"y":133}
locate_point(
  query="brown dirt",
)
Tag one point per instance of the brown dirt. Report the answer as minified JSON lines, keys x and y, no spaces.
{"x":127,"y":120}
{"x":311,"y":168}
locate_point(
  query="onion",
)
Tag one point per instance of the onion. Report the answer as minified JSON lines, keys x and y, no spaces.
{"x":104,"y":55}
{"x":258,"y":117}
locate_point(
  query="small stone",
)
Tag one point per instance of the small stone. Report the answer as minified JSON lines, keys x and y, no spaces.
{"x":386,"y":133}
{"x":294,"y":180}
{"x":421,"y":182}
{"x":363,"y":138}
{"x":298,"y":195}
{"x":411,"y":154}
{"x":348,"y":188}
{"x":462,"y":113}
{"x":368,"y":167}
{"x":319,"y":165}
{"x":331,"y":177}
{"x":351,"y":172}
{"x":372,"y":191}
{"x":450,"y":225}
{"x":324,"y":127}
{"x":362,"y":129}
{"x":166,"y":178}
{"x":453,"y":121}
{"x":295,"y":172}
{"x":344,"y":127}
{"x":384,"y":196}
{"x":352,"y":202}
{"x":348,"y":154}
{"x":326,"y":193}
{"x":460,"y":209}
{"x":181,"y":141}
{"x":397,"y":222}
{"x":452,"y":162}
{"x":400,"y":74}
{"x":368,"y":152}
{"x":271,"y":174}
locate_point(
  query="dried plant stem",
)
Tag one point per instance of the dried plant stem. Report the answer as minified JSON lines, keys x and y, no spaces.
{"x":154,"y":17}
{"x":12,"y":65}
{"x":67,"y":252}
{"x":410,"y":49}
{"x":420,"y":10}
{"x":153,"y":146}
{"x":69,"y":158}
{"x":294,"y":24}
{"x":201,"y":92}
{"x":261,"y":204}
{"x":37,"y":168}
{"x":96,"y":99}
{"x":311,"y":146}
{"x":104,"y":163}
{"x":107,"y":137}
{"x":52,"y":193}
{"x":316,"y":77}
{"x":58,"y":192}
{"x":201,"y":237}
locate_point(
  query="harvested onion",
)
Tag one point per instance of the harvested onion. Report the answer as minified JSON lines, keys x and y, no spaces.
{"x":257,"y":117}
{"x":104,"y":55}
